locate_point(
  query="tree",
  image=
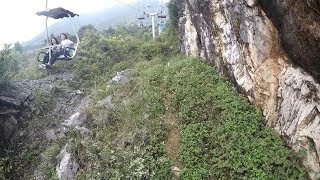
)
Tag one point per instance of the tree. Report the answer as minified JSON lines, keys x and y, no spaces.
{"x":17,"y":47}
{"x":6,"y":49}
{"x":85,"y":28}
{"x":109,"y":31}
{"x":8,"y":62}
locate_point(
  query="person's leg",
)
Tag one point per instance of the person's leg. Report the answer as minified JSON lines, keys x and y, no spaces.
{"x":54,"y":57}
{"x":45,"y":58}
{"x":67,"y":52}
{"x":44,"y":61}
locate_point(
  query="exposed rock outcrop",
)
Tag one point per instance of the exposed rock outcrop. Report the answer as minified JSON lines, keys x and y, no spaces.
{"x":17,"y":102}
{"x":120,"y":78}
{"x":67,"y":165}
{"x":41,"y":111}
{"x":66,"y":112}
{"x":298,"y":23}
{"x":15,"y":108}
{"x":255,"y":49}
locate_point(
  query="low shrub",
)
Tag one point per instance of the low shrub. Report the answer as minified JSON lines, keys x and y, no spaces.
{"x":223,"y":136}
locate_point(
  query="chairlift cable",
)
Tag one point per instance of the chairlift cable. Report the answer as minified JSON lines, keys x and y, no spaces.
{"x":152,"y":8}
{"x":160,"y":7}
{"x":129,"y":5}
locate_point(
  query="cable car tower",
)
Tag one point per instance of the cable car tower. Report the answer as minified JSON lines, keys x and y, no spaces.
{"x":153,"y":26}
{"x":152,"y":14}
{"x":162,"y":17}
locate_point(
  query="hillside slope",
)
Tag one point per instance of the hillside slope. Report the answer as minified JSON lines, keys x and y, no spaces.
{"x":129,"y":107}
{"x":270,"y":51}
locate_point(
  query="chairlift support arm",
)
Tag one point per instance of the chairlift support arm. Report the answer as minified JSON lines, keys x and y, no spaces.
{"x":48,"y":44}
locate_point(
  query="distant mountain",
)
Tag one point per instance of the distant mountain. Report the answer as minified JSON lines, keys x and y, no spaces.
{"x":111,"y":17}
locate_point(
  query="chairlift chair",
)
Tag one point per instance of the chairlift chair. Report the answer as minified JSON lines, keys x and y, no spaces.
{"x":162,"y":16}
{"x":141,"y":16}
{"x":59,"y":13}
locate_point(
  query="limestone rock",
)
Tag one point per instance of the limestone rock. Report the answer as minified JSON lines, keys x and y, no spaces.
{"x":106,"y":103}
{"x":299,"y":115}
{"x":298,"y":23}
{"x":9,"y":126}
{"x":75,"y":120}
{"x":251,"y":3}
{"x":176,"y":171}
{"x":78,"y":92}
{"x":15,"y":109}
{"x":10,"y":101}
{"x":121,"y":77}
{"x":50,"y":134}
{"x":254,"y":46}
{"x":67,"y":166}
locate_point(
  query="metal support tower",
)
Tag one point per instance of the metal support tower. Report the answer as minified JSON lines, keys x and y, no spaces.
{"x":153,"y":26}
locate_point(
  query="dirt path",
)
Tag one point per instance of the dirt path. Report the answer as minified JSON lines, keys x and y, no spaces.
{"x":172,"y":143}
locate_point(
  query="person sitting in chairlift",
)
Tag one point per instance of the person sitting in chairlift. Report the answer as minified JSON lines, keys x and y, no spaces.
{"x":55,"y":48}
{"x":62,"y":50}
{"x":65,"y":42}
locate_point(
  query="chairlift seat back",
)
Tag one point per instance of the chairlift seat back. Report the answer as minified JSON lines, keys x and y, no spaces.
{"x":68,"y":54}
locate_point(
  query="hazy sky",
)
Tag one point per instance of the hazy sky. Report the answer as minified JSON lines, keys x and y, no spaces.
{"x":20,"y":23}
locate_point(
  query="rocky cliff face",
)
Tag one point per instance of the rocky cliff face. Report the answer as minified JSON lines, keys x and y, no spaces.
{"x":34,"y":113}
{"x":15,"y":109}
{"x":270,"y":51}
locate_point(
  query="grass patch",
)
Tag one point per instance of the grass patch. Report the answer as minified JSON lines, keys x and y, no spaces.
{"x":223,"y":136}
{"x":29,"y":69}
{"x":127,"y":141}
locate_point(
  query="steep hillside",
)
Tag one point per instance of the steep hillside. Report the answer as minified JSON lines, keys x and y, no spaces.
{"x":270,"y":51}
{"x":128,"y":107}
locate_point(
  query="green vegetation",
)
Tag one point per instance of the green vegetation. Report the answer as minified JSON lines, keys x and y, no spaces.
{"x":167,"y":95}
{"x":18,"y":65}
{"x":127,"y":140}
{"x":174,"y":7}
{"x":222,"y":135}
{"x":8,"y":63}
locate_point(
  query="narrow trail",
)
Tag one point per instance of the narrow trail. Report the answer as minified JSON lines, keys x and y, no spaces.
{"x":172,"y":143}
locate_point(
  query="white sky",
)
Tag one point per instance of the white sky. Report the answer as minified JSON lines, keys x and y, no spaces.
{"x":20,"y":23}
